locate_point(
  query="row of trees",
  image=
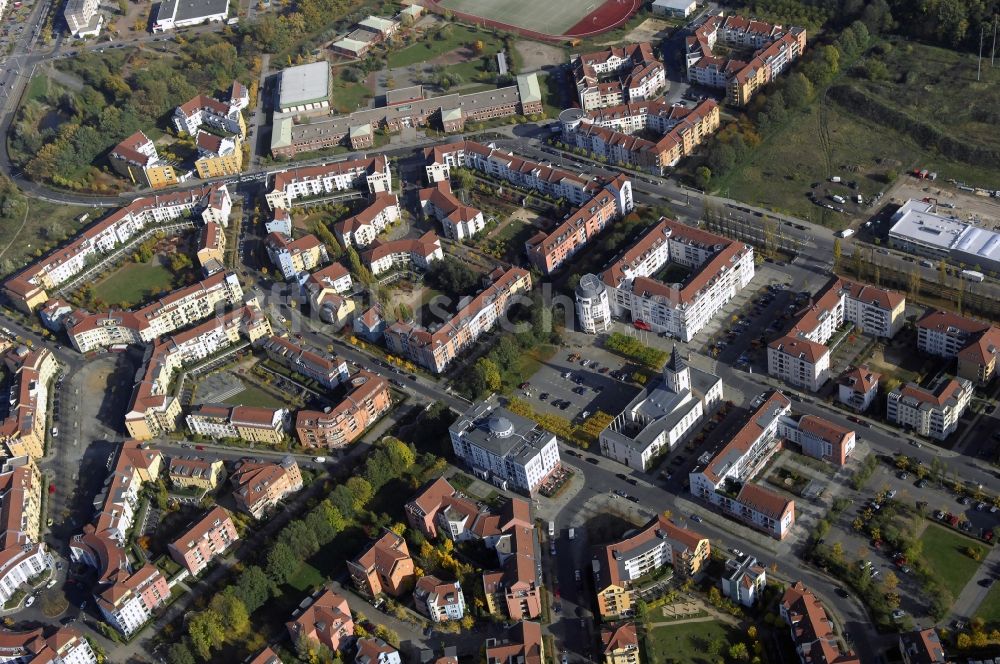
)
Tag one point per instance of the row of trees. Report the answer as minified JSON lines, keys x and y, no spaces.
{"x":634,"y":349}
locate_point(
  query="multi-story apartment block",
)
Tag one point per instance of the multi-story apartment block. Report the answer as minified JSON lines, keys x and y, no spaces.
{"x":22,"y":550}
{"x":370,"y":175}
{"x":459,"y":221}
{"x":384,"y":567}
{"x":153,"y":410}
{"x":328,"y":370}
{"x":204,"y":541}
{"x":45,"y":645}
{"x":661,"y":414}
{"x":211,"y":248}
{"x":504,"y":448}
{"x":435,"y":349}
{"x":224,"y":115}
{"x":773,"y":50}
{"x":333,"y":279}
{"x":922,"y":646}
{"x":249,"y":423}
{"x":294,"y":256}
{"x":719,"y":480}
{"x":720,"y":268}
{"x":439,"y":505}
{"x":799,"y":362}
{"x":404,"y":254}
{"x":819,"y":438}
{"x":368,"y":398}
{"x":83,"y":18}
{"x":932,"y":412}
{"x":811,"y":628}
{"x":365,"y":226}
{"x":195,"y":472}
{"x":260,"y":485}
{"x":438,"y":600}
{"x":744,"y":580}
{"x":218,"y":155}
{"x":281,"y":222}
{"x":608,"y":132}
{"x":973,"y":343}
{"x":617,"y":566}
{"x":375,"y":651}
{"x":513,"y":591}
{"x":618,"y":76}
{"x":324,"y":618}
{"x":620,"y":644}
{"x":23,"y":430}
{"x":179,"y":309}
{"x":135,"y":159}
{"x":857,"y":387}
{"x":522,"y":644}
{"x":28,"y":289}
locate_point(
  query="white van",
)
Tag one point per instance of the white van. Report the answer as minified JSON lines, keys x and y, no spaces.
{"x":572,"y":533}
{"x":552,"y":528}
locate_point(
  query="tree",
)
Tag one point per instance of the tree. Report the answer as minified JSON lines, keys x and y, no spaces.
{"x":721,"y":159}
{"x":739,"y":652}
{"x":387,"y":635}
{"x":838,"y":252}
{"x":300,"y":539}
{"x":360,"y":490}
{"x":400,"y":454}
{"x":253,"y":588}
{"x":489,"y":374}
{"x":233,"y":613}
{"x":180,"y":653}
{"x":281,"y":563}
{"x":964,"y":641}
{"x":703,"y":176}
{"x":799,"y":90}
{"x":207,"y":633}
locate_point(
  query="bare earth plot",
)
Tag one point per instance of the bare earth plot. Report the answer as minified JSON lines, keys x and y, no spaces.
{"x":553,"y":17}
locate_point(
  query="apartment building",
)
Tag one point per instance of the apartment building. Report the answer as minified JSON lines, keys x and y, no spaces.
{"x":608,"y":132}
{"x":211,"y":247}
{"x":620,"y":644}
{"x":434,"y":349}
{"x":328,"y":370}
{"x":223,"y":114}
{"x":550,"y":251}
{"x":136,"y":160}
{"x":812,"y":630}
{"x":522,"y":644}
{"x":29,"y":289}
{"x":249,"y":423}
{"x":324,"y":618}
{"x":368,"y":398}
{"x":818,"y":437}
{"x":375,"y":651}
{"x":438,"y":600}
{"x":933,"y":412}
{"x":719,"y":267}
{"x":506,"y":449}
{"x":799,"y":362}
{"x":362,"y":229}
{"x":385,"y":566}
{"x":47,"y":645}
{"x":922,"y":646}
{"x":724,"y":480}
{"x":617,"y":75}
{"x":973,"y":343}
{"x":324,"y":287}
{"x":617,"y":566}
{"x":370,"y":175}
{"x":439,"y":505}
{"x":152,"y":409}
{"x":514,"y":590}
{"x":22,"y":550}
{"x":218,"y":155}
{"x":191,"y":471}
{"x":54,"y":312}
{"x":663,"y":413}
{"x":23,"y":430}
{"x":281,"y":222}
{"x":761,"y":52}
{"x":294,"y":256}
{"x":403,"y":254}
{"x":204,"y":541}
{"x":459,"y":221}
{"x":744,"y":580}
{"x":857,"y":387}
{"x":260,"y":485}
{"x":182,"y":307}
{"x":265,"y":656}
{"x":83,"y":18}
{"x":405,"y":107}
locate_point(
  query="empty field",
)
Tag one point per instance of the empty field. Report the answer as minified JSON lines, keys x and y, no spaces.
{"x":134,"y":283}
{"x":944,"y":553}
{"x":552,"y":18}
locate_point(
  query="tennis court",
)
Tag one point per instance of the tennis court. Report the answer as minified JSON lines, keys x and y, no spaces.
{"x":553,"y":17}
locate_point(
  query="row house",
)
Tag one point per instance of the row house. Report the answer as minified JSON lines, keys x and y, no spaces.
{"x":294,"y":256}
{"x":724,"y":480}
{"x":932,"y":412}
{"x":207,"y":539}
{"x":799,"y":362}
{"x":975,"y":344}
{"x":858,"y":387}
{"x":29,"y":288}
{"x":362,"y":228}
{"x":211,"y":248}
{"x":327,"y":289}
{"x":248,"y":423}
{"x":415,"y":254}
{"x":617,"y":75}
{"x":459,"y":221}
{"x":720,"y":268}
{"x":744,"y":580}
{"x":368,"y":398}
{"x":328,"y":370}
{"x":435,"y":349}
{"x":439,"y":507}
{"x":260,"y":485}
{"x":224,"y":115}
{"x":522,"y":643}
{"x":370,"y":175}
{"x":620,"y":644}
{"x":23,"y":430}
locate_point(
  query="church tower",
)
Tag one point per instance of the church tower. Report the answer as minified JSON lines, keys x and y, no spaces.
{"x":676,"y":373}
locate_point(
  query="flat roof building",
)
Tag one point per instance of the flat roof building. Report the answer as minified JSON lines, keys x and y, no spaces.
{"x":919,"y":229}
{"x":183,"y":13}
{"x":674,"y":8}
{"x":304,"y":87}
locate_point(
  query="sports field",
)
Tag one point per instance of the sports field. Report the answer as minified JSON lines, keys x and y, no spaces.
{"x":553,"y":17}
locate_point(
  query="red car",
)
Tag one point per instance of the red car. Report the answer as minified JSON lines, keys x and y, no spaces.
{"x":199,"y":447}
{"x":641,"y":325}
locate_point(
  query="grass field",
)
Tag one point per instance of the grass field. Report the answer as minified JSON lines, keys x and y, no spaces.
{"x":686,"y":643}
{"x":44,"y":226}
{"x":553,"y":18}
{"x":944,"y":553}
{"x":989,"y":610}
{"x":348,"y":96}
{"x":306,"y":579}
{"x":134,"y":283}
{"x":431,"y":47}
{"x":254,"y":396}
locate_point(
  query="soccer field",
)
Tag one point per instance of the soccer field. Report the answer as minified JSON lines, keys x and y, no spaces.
{"x":551,"y":17}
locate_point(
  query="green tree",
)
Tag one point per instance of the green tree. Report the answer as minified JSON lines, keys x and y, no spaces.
{"x":489,"y":374}
{"x":253,"y":588}
{"x":464,"y":178}
{"x":738,"y":652}
{"x":300,"y":539}
{"x":207,"y":633}
{"x":799,"y":90}
{"x":387,"y":635}
{"x":402,"y":456}
{"x":360,"y":490}
{"x":703,"y":176}
{"x":837,"y":253}
{"x":180,"y":653}
{"x":281,"y":563}
{"x":233,"y":613}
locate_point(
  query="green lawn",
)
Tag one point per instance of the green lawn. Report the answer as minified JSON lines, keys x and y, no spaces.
{"x":944,"y":553}
{"x":989,"y":610}
{"x":134,"y":283}
{"x":348,"y":96}
{"x":25,"y":237}
{"x":431,"y":47}
{"x":306,"y":579}
{"x":686,"y":643}
{"x":254,"y":396}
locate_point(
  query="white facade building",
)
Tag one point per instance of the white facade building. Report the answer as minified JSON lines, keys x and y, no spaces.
{"x":438,"y":600}
{"x":82,"y":18}
{"x":593,"y":307}
{"x":744,"y":581}
{"x":799,"y":362}
{"x":932,"y":413}
{"x":371,"y":175}
{"x":504,"y":448}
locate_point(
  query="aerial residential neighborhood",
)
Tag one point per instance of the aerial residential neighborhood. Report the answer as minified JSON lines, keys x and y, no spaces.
{"x":467,"y":332}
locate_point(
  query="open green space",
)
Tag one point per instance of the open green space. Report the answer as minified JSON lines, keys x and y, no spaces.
{"x":306,"y":579}
{"x":29,"y":227}
{"x":254,"y":396}
{"x":553,"y":18}
{"x":687,"y":643}
{"x":348,"y":96}
{"x":944,"y":552}
{"x":134,"y":283}
{"x":455,"y":37}
{"x":989,"y":610}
